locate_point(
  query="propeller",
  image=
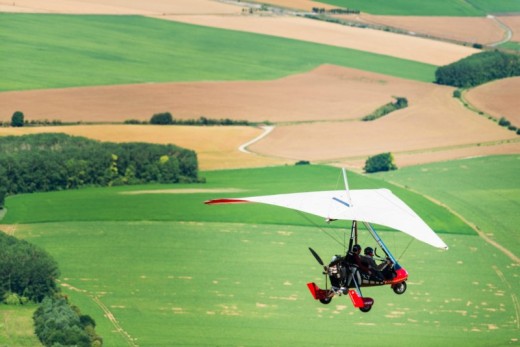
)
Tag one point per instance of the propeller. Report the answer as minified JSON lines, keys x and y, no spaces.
{"x":316,"y":256}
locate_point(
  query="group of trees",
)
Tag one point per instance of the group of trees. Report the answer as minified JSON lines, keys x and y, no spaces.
{"x":27,"y":272}
{"x":478,"y":69}
{"x":399,"y":103}
{"x":57,"y":323}
{"x":380,"y":162}
{"x":166,"y":118}
{"x":46,"y":162}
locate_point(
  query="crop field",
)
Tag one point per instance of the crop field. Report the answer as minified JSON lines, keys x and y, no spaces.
{"x":154,"y":266}
{"x":134,"y":49}
{"x":429,"y":8}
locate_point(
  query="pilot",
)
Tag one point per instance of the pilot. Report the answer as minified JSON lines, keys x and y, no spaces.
{"x":376,"y":270}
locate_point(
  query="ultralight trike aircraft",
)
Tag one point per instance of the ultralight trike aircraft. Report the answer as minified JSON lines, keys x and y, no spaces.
{"x":368,"y":206}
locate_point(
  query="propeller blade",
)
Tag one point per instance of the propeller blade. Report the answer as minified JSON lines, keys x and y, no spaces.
{"x":316,"y":256}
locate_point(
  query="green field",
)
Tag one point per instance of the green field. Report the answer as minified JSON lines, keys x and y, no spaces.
{"x":16,"y":326}
{"x":430,"y":8}
{"x":114,"y":204}
{"x":486,"y":191}
{"x":37,"y":53}
{"x":177,"y":272}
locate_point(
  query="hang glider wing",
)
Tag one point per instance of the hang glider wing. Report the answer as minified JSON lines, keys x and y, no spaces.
{"x":378,"y":206}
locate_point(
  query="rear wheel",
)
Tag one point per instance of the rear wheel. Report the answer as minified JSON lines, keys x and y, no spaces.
{"x":365,"y":308}
{"x":399,"y":288}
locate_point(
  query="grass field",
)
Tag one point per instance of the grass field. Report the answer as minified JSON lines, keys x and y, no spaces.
{"x":16,"y":326}
{"x":430,"y":8}
{"x":115,"y":204}
{"x":191,"y":274}
{"x":102,"y":50}
{"x":486,"y":191}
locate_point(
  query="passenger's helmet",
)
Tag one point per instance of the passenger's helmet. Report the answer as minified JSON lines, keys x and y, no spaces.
{"x":369,"y":251}
{"x":356,"y":248}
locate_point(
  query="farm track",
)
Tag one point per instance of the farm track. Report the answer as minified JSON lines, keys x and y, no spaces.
{"x":108,"y":314}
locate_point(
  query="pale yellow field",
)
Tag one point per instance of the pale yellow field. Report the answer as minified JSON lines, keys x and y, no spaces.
{"x":216,"y":147}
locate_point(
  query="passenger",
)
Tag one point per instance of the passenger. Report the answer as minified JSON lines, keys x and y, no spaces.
{"x":376,"y":270}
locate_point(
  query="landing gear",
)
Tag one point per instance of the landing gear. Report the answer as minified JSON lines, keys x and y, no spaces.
{"x":399,"y":288}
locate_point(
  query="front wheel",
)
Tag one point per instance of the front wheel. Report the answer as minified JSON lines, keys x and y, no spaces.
{"x":399,"y":288}
{"x":326,"y":301}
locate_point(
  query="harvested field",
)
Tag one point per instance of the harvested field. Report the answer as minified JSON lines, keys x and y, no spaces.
{"x":483,"y":30}
{"x":326,"y":93}
{"x":216,"y":147}
{"x":498,"y":98}
{"x":434,"y":120}
{"x":123,"y":7}
{"x":375,"y":41}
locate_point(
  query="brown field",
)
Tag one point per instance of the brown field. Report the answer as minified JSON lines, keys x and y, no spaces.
{"x":325,"y":93}
{"x":481,"y":30}
{"x":498,"y":98}
{"x":433,"y":122}
{"x":513,"y":22}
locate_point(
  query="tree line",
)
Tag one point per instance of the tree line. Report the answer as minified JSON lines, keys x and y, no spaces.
{"x":47,"y":162}
{"x":479,"y":68}
{"x":399,"y":103}
{"x":166,"y":118}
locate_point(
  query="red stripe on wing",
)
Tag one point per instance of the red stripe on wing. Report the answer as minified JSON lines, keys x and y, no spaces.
{"x":225,"y":201}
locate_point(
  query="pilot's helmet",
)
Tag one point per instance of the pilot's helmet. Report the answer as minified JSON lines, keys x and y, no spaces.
{"x":356,"y":248}
{"x":369,"y":251}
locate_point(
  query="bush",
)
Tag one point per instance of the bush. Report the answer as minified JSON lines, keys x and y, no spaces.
{"x":17,"y":120}
{"x":399,"y":103}
{"x":162,"y":118}
{"x":457,"y":94}
{"x":380,"y":162}
{"x":504,"y":122}
{"x":303,"y":162}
